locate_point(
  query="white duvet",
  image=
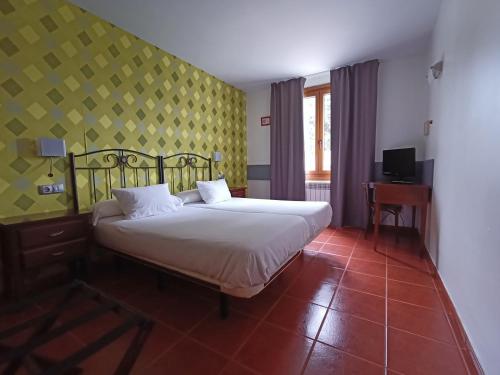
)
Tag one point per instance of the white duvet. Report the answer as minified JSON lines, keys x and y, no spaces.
{"x":318,"y":215}
{"x":237,"y":251}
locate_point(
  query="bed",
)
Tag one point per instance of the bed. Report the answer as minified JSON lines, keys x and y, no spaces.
{"x":318,"y":215}
{"x":214,"y":246}
{"x":209,"y":246}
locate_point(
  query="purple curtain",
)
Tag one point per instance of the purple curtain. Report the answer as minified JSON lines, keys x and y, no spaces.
{"x":287,"y":140}
{"x":354,"y":112}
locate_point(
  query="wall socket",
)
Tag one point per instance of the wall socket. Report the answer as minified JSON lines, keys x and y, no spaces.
{"x":50,"y":189}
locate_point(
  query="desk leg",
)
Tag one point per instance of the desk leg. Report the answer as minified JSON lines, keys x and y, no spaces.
{"x":377,"y":223}
{"x":423,"y":224}
{"x":413,"y":214}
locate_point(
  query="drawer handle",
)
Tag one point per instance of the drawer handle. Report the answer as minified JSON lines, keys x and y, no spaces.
{"x":58,"y":253}
{"x":56,"y":234}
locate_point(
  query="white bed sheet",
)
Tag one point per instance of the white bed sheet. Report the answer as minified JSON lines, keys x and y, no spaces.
{"x":318,"y":215}
{"x":237,"y":251}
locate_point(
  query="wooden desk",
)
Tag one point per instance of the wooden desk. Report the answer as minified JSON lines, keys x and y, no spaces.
{"x":401,"y":194}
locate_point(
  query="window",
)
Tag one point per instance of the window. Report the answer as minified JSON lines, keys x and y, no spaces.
{"x":317,"y":134}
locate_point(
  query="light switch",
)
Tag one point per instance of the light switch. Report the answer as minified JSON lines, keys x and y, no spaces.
{"x":44,"y":189}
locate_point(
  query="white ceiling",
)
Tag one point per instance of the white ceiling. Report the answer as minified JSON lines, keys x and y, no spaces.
{"x":250,"y":43}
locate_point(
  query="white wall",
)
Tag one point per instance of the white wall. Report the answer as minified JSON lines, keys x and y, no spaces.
{"x":465,"y":142}
{"x":402,"y":104}
{"x":258,"y":139}
{"x":317,"y":79}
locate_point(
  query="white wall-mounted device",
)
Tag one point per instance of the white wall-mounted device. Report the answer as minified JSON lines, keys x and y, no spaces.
{"x":51,"y":147}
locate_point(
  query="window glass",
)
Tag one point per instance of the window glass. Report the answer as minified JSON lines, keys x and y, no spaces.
{"x":326,"y":133}
{"x":310,"y":133}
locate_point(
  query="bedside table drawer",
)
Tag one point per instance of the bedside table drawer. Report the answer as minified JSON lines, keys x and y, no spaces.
{"x":55,"y":253}
{"x":47,"y":234}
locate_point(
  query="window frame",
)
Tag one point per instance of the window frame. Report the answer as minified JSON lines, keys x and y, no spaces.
{"x":318,"y":92}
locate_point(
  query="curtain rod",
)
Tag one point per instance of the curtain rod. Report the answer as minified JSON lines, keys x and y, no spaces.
{"x":340,"y":66}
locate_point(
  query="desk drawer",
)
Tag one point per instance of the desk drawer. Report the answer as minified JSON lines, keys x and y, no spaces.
{"x":401,"y":194}
{"x":54,"y":253}
{"x":51,"y":233}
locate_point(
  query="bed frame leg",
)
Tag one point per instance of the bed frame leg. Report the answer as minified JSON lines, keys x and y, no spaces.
{"x":223,"y":305}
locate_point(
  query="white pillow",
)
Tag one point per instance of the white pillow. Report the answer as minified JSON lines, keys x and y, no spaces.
{"x":145,"y":201}
{"x":214,"y":191}
{"x":190,"y":196}
{"x":176,"y":201}
{"x":104,"y":209}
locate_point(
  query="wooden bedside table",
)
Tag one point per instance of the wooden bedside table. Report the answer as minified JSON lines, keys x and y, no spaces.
{"x":239,"y":192}
{"x":38,"y":247}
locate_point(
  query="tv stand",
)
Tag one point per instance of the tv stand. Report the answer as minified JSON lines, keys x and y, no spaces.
{"x":402,"y":194}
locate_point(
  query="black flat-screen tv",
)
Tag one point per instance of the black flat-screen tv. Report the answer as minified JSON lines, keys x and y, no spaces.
{"x":399,"y":163}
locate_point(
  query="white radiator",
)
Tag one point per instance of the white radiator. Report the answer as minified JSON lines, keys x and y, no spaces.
{"x":318,"y":191}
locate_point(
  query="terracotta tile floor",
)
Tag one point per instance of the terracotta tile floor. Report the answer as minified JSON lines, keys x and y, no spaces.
{"x":340,"y":308}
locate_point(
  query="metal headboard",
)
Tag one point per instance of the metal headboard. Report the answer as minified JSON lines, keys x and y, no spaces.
{"x":110,"y":167}
{"x":182,"y":170}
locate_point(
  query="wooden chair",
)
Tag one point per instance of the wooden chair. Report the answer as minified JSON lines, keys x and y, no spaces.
{"x":390,"y":209}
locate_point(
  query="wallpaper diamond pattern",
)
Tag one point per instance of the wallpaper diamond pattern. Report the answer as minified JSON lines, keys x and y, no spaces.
{"x":69,"y":74}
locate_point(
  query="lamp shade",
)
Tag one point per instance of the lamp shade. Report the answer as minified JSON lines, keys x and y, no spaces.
{"x":217,"y":156}
{"x":50,"y":147}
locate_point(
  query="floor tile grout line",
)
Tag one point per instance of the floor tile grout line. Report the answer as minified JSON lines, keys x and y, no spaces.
{"x":348,"y":353}
{"x":186,"y":335}
{"x":362,"y":291}
{"x":263,"y":318}
{"x":443,"y":308}
{"x":336,"y":244}
{"x":459,"y":348}
{"x":183,"y":335}
{"x":386,"y":328}
{"x":416,"y":305}
{"x":357,"y":316}
{"x":308,"y":301}
{"x":428,"y":272}
{"x":413,"y":284}
{"x":257,"y":326}
{"x":329,"y":307}
{"x":388,"y":278}
{"x":452,"y":345}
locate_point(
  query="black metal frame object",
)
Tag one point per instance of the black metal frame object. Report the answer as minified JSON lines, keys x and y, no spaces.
{"x":45,"y":329}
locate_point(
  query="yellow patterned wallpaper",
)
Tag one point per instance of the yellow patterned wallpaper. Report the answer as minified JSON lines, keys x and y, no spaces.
{"x":66,"y":73}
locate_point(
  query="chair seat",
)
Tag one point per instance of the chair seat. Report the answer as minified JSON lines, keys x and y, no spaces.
{"x":392,"y":207}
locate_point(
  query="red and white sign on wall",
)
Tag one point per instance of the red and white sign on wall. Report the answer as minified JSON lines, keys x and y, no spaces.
{"x":265,"y":121}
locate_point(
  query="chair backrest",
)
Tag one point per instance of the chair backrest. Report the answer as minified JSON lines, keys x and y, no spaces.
{"x":368,"y":190}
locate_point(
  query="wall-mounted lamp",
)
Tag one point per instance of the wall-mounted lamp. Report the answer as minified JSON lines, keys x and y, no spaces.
{"x":435,"y":71}
{"x":427,"y":127}
{"x":51,"y":148}
{"x":217,"y":157}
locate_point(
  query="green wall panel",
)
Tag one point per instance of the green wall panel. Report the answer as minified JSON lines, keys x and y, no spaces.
{"x":66,"y":73}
